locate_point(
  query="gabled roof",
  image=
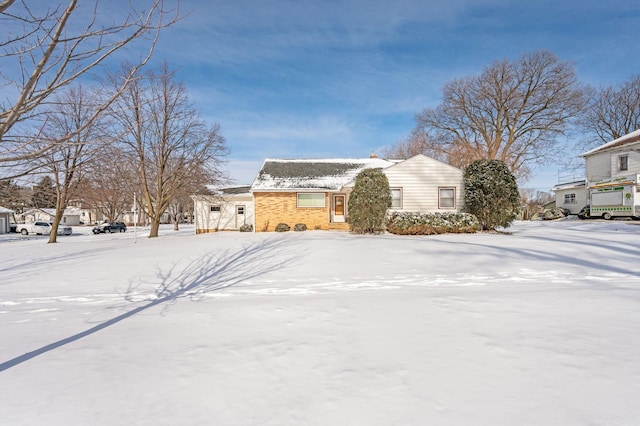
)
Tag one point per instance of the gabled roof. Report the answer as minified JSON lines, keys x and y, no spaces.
{"x":5,"y":210}
{"x":621,"y":141}
{"x":312,"y":174}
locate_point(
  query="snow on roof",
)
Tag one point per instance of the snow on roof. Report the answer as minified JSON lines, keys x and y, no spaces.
{"x":312,"y":174}
{"x":569,"y":185}
{"x":5,"y":210}
{"x":621,"y":141}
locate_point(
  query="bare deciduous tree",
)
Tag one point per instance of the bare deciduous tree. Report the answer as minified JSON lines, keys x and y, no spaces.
{"x":512,"y":111}
{"x":172,"y":148}
{"x":68,"y":115}
{"x":45,"y":47}
{"x":613,"y":112}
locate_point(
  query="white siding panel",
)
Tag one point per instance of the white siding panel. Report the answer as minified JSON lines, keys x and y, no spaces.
{"x":598,"y":166}
{"x":420,"y":177}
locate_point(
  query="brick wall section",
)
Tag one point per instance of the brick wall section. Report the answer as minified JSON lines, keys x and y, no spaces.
{"x":281,"y":207}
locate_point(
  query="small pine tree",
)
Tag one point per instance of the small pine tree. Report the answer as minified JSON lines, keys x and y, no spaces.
{"x":491,"y":193}
{"x":369,"y":201}
{"x":44,"y":194}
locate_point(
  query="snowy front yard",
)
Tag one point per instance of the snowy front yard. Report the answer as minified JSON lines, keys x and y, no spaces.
{"x":541,"y":327}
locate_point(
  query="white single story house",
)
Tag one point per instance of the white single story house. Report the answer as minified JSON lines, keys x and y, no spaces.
{"x":5,"y":223}
{"x":226,"y":210}
{"x":71,"y":216}
{"x":571,"y":196}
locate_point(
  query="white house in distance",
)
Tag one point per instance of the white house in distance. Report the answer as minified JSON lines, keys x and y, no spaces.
{"x":226,"y":210}
{"x":71,"y":216}
{"x":5,"y":224}
{"x":315,"y":192}
{"x":611,"y":185}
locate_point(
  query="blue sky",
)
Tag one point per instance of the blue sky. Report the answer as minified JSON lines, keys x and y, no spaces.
{"x":310,"y":79}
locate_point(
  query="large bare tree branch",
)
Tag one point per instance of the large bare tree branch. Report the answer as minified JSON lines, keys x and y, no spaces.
{"x":55,"y":50}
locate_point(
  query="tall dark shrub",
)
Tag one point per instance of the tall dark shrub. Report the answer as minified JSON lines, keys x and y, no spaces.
{"x":369,"y":201}
{"x":491,"y":193}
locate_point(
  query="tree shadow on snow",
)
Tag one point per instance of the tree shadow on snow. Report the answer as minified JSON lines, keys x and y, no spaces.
{"x":213,"y":272}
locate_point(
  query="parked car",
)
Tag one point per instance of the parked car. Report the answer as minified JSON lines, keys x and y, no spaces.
{"x":41,"y":228}
{"x":107,"y":228}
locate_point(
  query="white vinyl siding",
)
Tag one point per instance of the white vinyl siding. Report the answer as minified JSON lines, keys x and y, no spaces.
{"x":315,"y":199}
{"x":420,"y":177}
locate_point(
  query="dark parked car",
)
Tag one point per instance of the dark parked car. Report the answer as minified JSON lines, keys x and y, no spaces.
{"x":109,"y":228}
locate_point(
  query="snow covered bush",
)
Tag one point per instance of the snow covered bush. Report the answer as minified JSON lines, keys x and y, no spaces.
{"x":491,"y":193}
{"x":413,"y":223}
{"x":555,"y":213}
{"x":246,"y":228}
{"x":369,"y":201}
{"x":282,"y":227}
{"x":300,"y":227}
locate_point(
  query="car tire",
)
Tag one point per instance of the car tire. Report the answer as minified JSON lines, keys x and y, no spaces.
{"x":607,"y":216}
{"x":108,"y":231}
{"x":24,"y":232}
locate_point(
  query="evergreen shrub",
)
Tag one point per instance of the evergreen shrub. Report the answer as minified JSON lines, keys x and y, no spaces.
{"x":300,"y":227}
{"x":413,"y":223}
{"x":282,"y":227}
{"x":369,"y":201}
{"x":246,"y":228}
{"x":491,"y":193}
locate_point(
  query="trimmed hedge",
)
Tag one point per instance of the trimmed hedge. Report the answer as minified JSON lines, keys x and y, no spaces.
{"x":411,"y":223}
{"x":246,"y":228}
{"x":299,"y":227}
{"x":282,"y":227}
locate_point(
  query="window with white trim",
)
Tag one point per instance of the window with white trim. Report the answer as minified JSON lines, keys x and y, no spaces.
{"x":446,"y":198}
{"x":396,"y":198}
{"x":215,"y":209}
{"x":570,"y":198}
{"x":311,"y":199}
{"x":623,"y":162}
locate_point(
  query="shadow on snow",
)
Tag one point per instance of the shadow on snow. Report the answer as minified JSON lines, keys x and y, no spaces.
{"x":209,"y":273}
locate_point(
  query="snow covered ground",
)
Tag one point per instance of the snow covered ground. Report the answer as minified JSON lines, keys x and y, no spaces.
{"x":541,"y":327}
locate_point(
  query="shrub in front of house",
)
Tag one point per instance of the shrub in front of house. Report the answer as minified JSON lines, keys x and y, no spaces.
{"x":491,"y":193}
{"x":369,"y":201}
{"x":412,"y":223}
{"x":246,"y":228}
{"x":282,"y":227}
{"x":300,"y":227}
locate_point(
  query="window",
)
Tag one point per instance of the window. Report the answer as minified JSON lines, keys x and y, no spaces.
{"x":570,"y":198}
{"x":215,"y":209}
{"x":240,"y":210}
{"x":623,"y":162}
{"x":311,"y":200}
{"x":446,"y":198}
{"x":396,"y":198}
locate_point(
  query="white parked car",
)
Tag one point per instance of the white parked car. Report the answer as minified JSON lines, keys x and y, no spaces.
{"x":41,"y":228}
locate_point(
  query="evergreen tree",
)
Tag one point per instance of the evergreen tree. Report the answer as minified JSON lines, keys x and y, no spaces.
{"x":44,"y":194}
{"x":11,"y":195}
{"x":491,"y":193}
{"x":369,"y":201}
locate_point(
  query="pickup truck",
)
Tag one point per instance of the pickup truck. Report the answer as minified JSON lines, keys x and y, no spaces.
{"x":41,"y":228}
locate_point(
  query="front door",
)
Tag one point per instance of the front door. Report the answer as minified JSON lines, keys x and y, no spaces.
{"x":338,"y":208}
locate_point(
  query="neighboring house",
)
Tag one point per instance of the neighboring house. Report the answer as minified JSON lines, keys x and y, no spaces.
{"x":316,"y":192}
{"x":5,"y":224}
{"x":612,"y":180}
{"x":612,"y":177}
{"x":571,"y":196}
{"x":226,"y":210}
{"x":70,"y":217}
